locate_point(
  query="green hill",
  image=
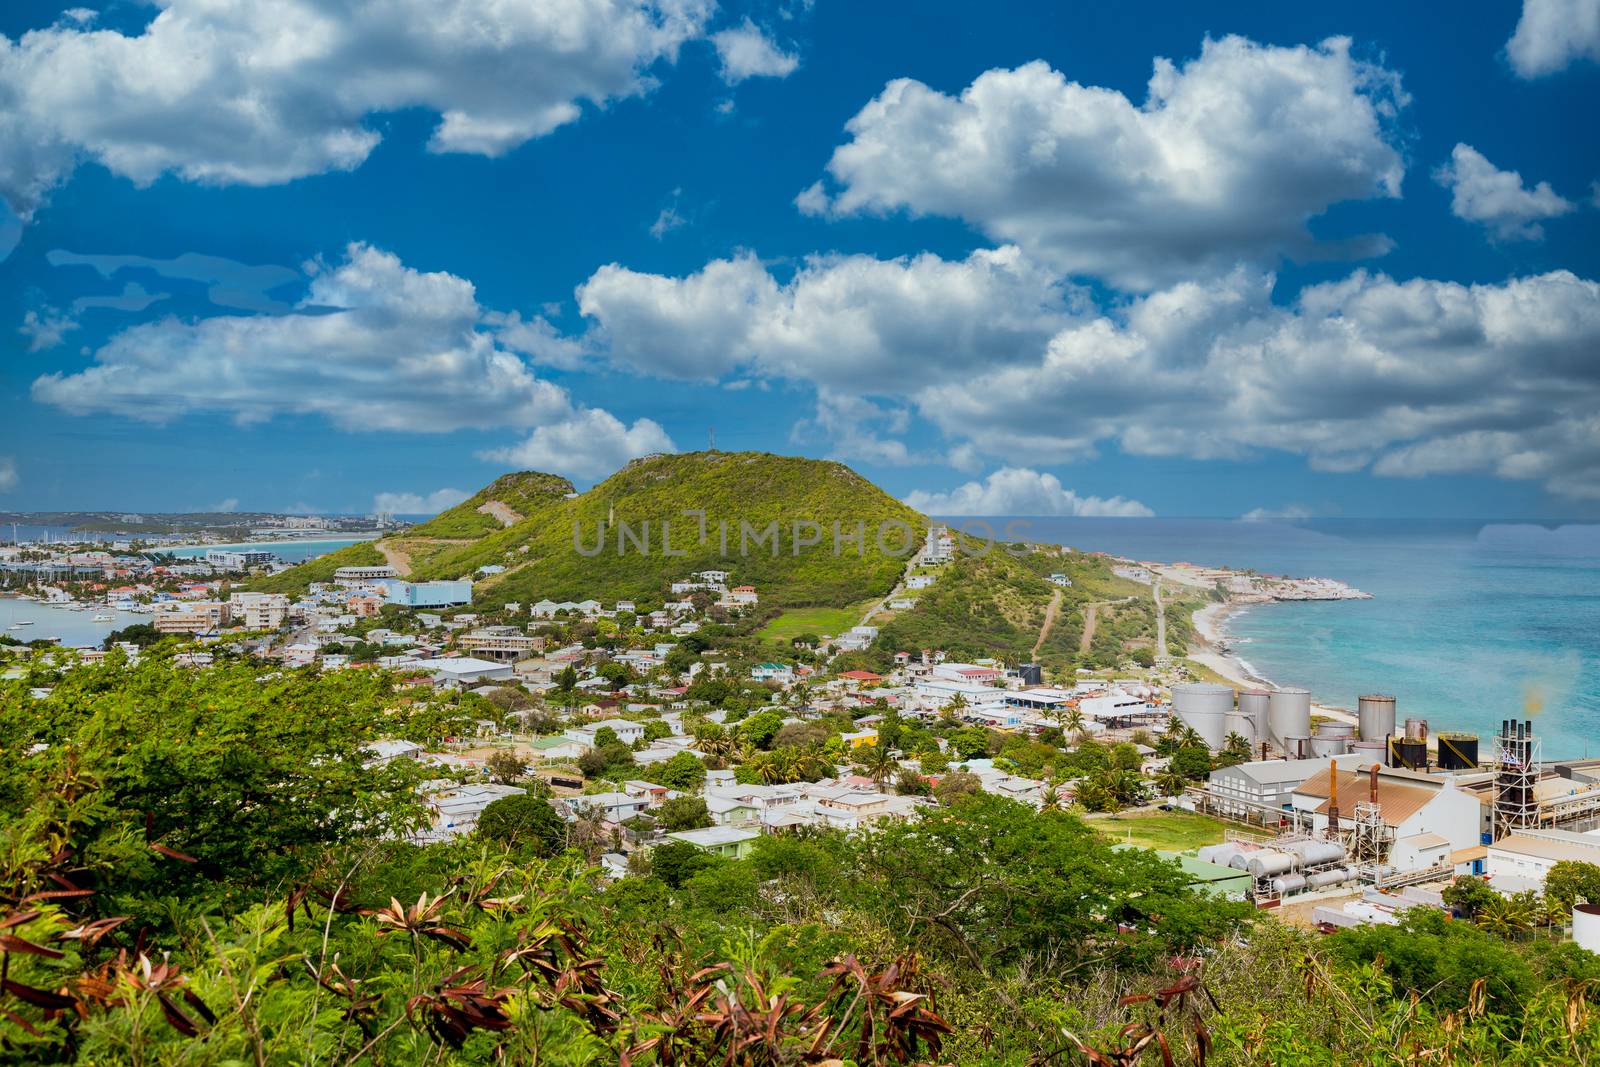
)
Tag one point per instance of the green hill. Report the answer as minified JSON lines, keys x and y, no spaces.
{"x":996,"y":605}
{"x":744,"y":493}
{"x":505,"y":501}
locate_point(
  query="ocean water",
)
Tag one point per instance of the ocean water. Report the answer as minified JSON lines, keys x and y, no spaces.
{"x":1471,"y":622}
{"x":76,"y":629}
{"x":288,"y":551}
{"x":72,"y":629}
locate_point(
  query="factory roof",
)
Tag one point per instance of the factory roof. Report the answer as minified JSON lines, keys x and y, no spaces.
{"x":1546,"y":848}
{"x":1398,"y":802}
{"x":1276,"y":771}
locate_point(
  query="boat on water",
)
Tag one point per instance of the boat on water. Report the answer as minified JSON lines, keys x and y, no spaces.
{"x":105,"y":618}
{"x":20,"y":625}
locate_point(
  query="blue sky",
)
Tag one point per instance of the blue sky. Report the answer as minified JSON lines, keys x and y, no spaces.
{"x":1332,"y":263}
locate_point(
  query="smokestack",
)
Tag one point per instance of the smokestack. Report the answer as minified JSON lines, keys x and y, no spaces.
{"x":1372,"y":791}
{"x":1333,"y":798}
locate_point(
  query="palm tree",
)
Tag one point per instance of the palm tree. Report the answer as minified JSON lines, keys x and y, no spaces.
{"x":1510,"y":917}
{"x":1051,"y":801}
{"x":1170,"y":782}
{"x":879,"y":762}
{"x":1235,"y":749}
{"x":717,"y":743}
{"x":1072,"y":724}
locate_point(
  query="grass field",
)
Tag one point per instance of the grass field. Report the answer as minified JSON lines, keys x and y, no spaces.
{"x":824,"y":622}
{"x":1170,"y":831}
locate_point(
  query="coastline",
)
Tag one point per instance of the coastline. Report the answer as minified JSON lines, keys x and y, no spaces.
{"x":1211,"y":624}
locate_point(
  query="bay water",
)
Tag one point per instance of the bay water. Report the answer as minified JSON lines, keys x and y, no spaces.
{"x":1470,"y":622}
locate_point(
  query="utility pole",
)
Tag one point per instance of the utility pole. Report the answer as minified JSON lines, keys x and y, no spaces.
{"x":712,"y":433}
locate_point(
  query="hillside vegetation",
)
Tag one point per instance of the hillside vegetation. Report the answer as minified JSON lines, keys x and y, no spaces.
{"x":733,"y":488}
{"x":523,"y":493}
{"x":995,"y":605}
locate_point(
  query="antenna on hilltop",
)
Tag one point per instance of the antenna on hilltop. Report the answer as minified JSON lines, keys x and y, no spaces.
{"x":712,"y":433}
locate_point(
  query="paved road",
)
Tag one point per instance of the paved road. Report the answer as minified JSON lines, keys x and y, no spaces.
{"x":896,"y":591}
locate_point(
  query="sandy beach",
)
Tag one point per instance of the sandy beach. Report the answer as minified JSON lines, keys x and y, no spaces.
{"x":1210,"y":623}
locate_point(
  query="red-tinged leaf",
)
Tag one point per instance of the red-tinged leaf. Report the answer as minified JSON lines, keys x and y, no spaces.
{"x":56,"y":894}
{"x":89,"y":933}
{"x":200,"y":1006}
{"x":448,"y":936}
{"x":20,"y":1021}
{"x":41,"y":998}
{"x":17,"y":944}
{"x":172,"y":853}
{"x":19,"y":918}
{"x":176,"y":1018}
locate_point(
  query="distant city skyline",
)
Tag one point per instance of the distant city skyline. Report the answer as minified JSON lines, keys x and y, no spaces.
{"x":1040,"y":259}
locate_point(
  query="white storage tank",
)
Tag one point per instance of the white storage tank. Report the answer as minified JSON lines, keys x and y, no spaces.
{"x":1268,"y":862}
{"x":1253,"y":705}
{"x":1288,"y":714}
{"x":1317,"y":853}
{"x":1288,"y":883}
{"x":1323,"y":879}
{"x":1329,"y":746}
{"x":1376,"y":714}
{"x":1204,"y":707}
{"x":1586,"y":926}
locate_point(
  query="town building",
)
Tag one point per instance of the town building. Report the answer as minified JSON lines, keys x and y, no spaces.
{"x":191,"y":617}
{"x":259,"y":611}
{"x":426,"y":594}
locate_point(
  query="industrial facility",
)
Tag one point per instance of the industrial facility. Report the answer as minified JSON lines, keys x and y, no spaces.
{"x":1382,"y":805}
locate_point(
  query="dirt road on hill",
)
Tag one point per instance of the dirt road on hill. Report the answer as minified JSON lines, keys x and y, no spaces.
{"x":501,"y":512}
{"x":1050,"y":614}
{"x":395,"y":557}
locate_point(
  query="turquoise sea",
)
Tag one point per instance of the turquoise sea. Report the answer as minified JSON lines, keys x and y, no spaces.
{"x":1471,"y":622}
{"x":288,"y":551}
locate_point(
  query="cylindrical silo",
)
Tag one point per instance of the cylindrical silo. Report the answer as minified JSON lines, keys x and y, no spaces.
{"x":1335,"y":729}
{"x":1417,"y":730}
{"x":1367,"y":752}
{"x":1404,"y":752}
{"x":1205,"y":708}
{"x":1252,"y":712}
{"x":1288,"y":714}
{"x":1329,"y":746}
{"x":1586,"y":926}
{"x":1296,"y":747}
{"x":1376,"y":713}
{"x":1458,"y":752}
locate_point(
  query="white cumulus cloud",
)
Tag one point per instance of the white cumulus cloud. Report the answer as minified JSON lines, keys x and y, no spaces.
{"x":1410,"y":378}
{"x":272,"y":90}
{"x":1551,"y":34}
{"x":416,"y":503}
{"x":1019,"y":491}
{"x":46,"y":328}
{"x":407,"y":353}
{"x":852,"y":322}
{"x":747,"y":52}
{"x":1227,"y":158}
{"x":1497,"y":199}
{"x":9,"y":478}
{"x":589,"y":444}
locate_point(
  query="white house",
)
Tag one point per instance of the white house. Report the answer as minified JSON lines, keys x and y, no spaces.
{"x":465,"y":670}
